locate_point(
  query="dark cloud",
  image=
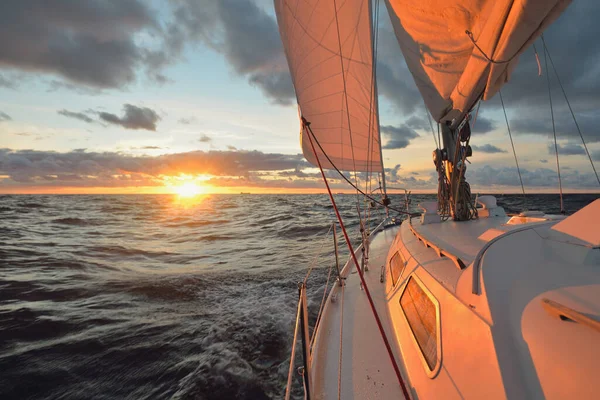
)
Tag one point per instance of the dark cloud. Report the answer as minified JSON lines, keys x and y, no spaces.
{"x":539,"y":122}
{"x":246,"y":35}
{"x":205,"y":138}
{"x":416,"y":122}
{"x":134,"y":118}
{"x":488,"y":148}
{"x":4,"y":116}
{"x":394,"y":177}
{"x":7,"y":82}
{"x":483,"y":125}
{"x":87,"y":42}
{"x":76,"y":115}
{"x":398,"y":137}
{"x":568,"y":149}
{"x":538,"y":178}
{"x":95,"y":168}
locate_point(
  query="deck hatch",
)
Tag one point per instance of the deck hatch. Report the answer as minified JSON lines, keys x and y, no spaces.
{"x":422,"y":316}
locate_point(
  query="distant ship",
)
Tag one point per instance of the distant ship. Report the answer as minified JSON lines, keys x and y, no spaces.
{"x":244,"y":192}
{"x":461,"y":300}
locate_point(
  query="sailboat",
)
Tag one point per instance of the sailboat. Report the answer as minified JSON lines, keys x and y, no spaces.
{"x":459,"y":300}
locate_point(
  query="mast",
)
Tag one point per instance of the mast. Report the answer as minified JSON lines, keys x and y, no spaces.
{"x":454,"y":192}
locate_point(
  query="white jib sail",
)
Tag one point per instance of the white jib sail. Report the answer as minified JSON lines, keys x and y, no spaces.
{"x":332,"y":72}
{"x":450,"y":71}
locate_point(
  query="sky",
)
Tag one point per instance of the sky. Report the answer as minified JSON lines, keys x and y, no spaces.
{"x":144,"y":96}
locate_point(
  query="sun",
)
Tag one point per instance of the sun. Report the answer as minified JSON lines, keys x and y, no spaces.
{"x":188,"y":189}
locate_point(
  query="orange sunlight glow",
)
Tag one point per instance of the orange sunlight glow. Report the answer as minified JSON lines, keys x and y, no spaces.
{"x":188,"y":189}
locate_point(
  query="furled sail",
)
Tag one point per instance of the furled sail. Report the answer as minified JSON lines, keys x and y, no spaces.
{"x":330,"y":56}
{"x":461,"y":50}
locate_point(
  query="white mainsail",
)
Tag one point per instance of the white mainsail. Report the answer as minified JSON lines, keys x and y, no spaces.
{"x":450,"y":71}
{"x":330,"y":55}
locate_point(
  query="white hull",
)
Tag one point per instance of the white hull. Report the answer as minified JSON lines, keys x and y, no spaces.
{"x":499,"y":290}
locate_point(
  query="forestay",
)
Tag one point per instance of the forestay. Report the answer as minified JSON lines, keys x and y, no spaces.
{"x":330,"y":55}
{"x":450,"y":71}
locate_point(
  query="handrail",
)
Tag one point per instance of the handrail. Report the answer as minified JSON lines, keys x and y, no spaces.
{"x":440,"y":252}
{"x":479,"y":256}
{"x":302,"y":318}
{"x":568,"y":314}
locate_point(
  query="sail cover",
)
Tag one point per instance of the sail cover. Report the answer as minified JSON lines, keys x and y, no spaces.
{"x":450,"y":71}
{"x":332,"y":72}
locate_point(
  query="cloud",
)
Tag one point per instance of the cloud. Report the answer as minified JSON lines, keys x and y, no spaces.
{"x":488,"y":148}
{"x":543,"y":161}
{"x":537,"y":178}
{"x":134,"y":118}
{"x":417,"y":122}
{"x":538,"y":122}
{"x":7,"y":82}
{"x":568,"y":149}
{"x":483,"y":125}
{"x":4,"y":117}
{"x":246,"y":35}
{"x":187,"y":121}
{"x":205,"y":138}
{"x":88,"y":42}
{"x":102,"y":169}
{"x":398,"y":137}
{"x":76,"y":115}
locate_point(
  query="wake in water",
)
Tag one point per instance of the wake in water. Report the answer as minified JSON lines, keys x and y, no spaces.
{"x":149,"y":297}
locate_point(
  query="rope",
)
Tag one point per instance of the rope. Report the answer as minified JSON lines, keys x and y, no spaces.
{"x":570,"y":109}
{"x":312,"y":136}
{"x":562,"y":205}
{"x":513,"y":149}
{"x":470,"y":35}
{"x":537,"y":59}
{"x":476,"y":114}
{"x":437,"y":146}
{"x":346,"y":97}
{"x":293,"y":355}
{"x":360,"y":274}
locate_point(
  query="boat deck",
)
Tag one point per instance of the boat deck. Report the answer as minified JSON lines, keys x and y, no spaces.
{"x":366,"y":370}
{"x":464,"y":245}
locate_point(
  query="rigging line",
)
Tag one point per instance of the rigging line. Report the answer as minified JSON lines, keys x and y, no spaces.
{"x":437,"y":146}
{"x":537,"y":59}
{"x":320,"y":314}
{"x":316,"y":257}
{"x":570,"y":109}
{"x":311,"y":134}
{"x":335,"y":9}
{"x":476,"y":115}
{"x":562,"y":205}
{"x":362,"y":278}
{"x":513,"y":148}
{"x":470,"y":35}
{"x":370,"y":146}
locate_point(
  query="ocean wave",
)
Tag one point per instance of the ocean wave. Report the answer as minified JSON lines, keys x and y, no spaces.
{"x":117,"y":250}
{"x":75,"y":221}
{"x":202,"y":311}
